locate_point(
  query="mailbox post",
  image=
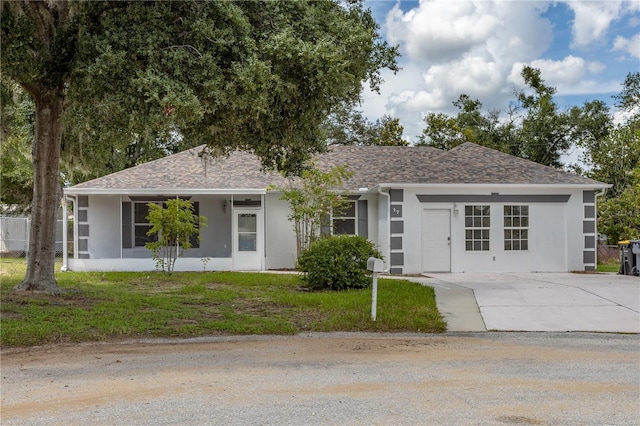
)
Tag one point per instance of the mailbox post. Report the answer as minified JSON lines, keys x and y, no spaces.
{"x":375,"y":265}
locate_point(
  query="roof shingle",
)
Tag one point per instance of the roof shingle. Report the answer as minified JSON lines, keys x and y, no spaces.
{"x":371,"y":165}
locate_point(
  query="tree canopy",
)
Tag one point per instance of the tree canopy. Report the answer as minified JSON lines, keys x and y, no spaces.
{"x":260,"y":76}
{"x":535,"y":128}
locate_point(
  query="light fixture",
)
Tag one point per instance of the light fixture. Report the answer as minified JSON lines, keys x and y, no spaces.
{"x":455,"y":208}
{"x":224,"y":206}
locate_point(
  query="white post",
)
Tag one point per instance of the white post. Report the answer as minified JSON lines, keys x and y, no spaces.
{"x":374,"y":296}
{"x":64,"y":234}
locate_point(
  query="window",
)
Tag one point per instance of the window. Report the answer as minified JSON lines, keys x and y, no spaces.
{"x":344,"y":218}
{"x":141,"y":225}
{"x":247,"y":231}
{"x":516,"y":227}
{"x":477,"y":223}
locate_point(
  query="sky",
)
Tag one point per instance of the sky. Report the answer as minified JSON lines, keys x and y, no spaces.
{"x":584,"y":49}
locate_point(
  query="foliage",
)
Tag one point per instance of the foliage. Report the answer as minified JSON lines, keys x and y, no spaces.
{"x":173,"y":225}
{"x":311,"y":200}
{"x":347,"y":126}
{"x":629,"y":98}
{"x":259,"y":76}
{"x":338,"y":262}
{"x":389,"y":132}
{"x":17,"y":114}
{"x":614,"y":158}
{"x":535,"y":129}
{"x":619,"y":217}
{"x":99,"y":306}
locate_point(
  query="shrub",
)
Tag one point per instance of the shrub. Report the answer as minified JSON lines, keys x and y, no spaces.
{"x":337,"y":263}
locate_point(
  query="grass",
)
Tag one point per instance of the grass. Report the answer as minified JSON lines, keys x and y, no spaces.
{"x":115,"y":305}
{"x":608,"y":267}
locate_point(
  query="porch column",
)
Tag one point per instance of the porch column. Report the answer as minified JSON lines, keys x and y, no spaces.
{"x":64,"y":234}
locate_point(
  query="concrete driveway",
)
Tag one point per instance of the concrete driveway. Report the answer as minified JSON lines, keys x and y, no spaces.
{"x":538,"y":301}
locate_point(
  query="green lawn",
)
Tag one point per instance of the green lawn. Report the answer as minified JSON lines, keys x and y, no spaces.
{"x":114,"y":305}
{"x":608,"y":267}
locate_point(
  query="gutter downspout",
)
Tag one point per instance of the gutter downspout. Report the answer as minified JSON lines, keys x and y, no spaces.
{"x":386,"y":254}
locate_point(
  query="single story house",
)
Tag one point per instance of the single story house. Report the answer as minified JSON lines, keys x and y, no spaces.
{"x":470,"y":209}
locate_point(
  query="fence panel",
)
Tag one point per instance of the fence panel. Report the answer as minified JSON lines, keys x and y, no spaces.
{"x":14,"y":236}
{"x":608,"y":253}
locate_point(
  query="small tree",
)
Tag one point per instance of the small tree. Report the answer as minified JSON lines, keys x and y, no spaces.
{"x":311,"y":202}
{"x":174,"y":225}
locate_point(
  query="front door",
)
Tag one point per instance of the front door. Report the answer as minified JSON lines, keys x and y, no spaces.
{"x":436,"y":240}
{"x":247,"y":239}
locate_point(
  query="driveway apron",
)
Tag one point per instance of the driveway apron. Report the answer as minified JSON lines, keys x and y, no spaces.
{"x":538,"y":301}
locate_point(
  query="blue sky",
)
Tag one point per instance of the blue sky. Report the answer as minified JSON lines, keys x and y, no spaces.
{"x":584,"y":49}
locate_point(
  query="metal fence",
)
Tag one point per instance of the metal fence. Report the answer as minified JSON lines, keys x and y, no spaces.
{"x":14,"y":236}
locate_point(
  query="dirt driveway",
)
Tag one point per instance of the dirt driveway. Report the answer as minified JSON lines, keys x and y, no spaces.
{"x":318,"y":379}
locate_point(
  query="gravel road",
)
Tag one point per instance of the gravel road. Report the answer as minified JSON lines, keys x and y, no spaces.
{"x":326,"y":379}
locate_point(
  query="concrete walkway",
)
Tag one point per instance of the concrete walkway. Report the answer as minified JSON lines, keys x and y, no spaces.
{"x":537,"y":301}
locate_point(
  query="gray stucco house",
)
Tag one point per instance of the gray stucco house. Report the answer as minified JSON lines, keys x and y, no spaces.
{"x":470,"y":209}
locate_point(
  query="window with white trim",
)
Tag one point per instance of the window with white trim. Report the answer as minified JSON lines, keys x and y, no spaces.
{"x":345,"y":218}
{"x":477,"y":224}
{"x":516,"y":228}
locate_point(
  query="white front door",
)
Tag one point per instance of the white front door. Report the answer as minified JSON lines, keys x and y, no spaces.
{"x":247,"y":240}
{"x":436,"y":240}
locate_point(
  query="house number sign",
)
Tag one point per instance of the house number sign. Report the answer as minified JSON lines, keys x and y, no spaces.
{"x":396,"y":210}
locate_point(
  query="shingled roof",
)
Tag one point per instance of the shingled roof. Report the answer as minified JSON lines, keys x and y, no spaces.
{"x":371,"y":166}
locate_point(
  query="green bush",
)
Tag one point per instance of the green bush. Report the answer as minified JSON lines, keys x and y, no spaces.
{"x":337,"y":263}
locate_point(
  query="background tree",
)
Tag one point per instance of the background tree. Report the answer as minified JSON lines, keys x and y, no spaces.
{"x":260,"y":76}
{"x":615,"y":159}
{"x":535,"y":128}
{"x":16,"y":134}
{"x":347,"y":126}
{"x":389,"y":132}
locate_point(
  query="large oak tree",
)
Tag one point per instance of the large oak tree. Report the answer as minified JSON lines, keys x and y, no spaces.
{"x":254,"y":75}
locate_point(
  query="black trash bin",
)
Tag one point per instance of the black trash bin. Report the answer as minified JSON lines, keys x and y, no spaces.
{"x":629,"y":257}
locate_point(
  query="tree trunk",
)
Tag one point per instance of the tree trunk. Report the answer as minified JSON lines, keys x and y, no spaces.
{"x":46,"y":193}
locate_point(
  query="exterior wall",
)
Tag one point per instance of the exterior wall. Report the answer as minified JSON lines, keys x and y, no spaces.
{"x":556,"y":238}
{"x":383,"y":228}
{"x":280,"y":239}
{"x":372,"y":219}
{"x":147,"y":265}
{"x":561,"y":234}
{"x":103,"y":217}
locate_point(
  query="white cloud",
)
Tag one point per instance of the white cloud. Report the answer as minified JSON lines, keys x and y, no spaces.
{"x":592,"y":20}
{"x":630,"y":46}
{"x":439,"y":31}
{"x":479,"y":48}
{"x":570,"y":76}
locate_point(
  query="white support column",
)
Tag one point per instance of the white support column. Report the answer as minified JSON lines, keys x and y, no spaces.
{"x":65,"y":256}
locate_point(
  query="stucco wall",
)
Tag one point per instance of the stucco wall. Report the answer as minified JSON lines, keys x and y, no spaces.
{"x":104,"y":226}
{"x":555,"y":232}
{"x":280,"y":241}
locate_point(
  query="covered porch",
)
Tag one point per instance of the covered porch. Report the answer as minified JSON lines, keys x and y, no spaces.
{"x":110,"y":230}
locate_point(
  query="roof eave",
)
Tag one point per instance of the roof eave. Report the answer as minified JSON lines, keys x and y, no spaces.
{"x":594,"y":185}
{"x":156,"y":191}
